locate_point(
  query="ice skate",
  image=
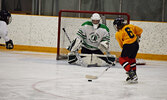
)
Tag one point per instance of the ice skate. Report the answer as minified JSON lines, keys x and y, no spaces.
{"x":132,"y":76}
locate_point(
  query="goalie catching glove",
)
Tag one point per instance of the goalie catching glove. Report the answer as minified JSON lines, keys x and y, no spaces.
{"x":104,"y":46}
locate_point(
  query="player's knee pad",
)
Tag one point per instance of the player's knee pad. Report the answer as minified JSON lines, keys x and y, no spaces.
{"x":75,"y":45}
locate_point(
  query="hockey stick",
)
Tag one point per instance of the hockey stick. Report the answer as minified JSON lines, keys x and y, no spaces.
{"x":76,"y":53}
{"x":96,"y":77}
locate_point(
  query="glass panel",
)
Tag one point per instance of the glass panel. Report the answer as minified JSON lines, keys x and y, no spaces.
{"x":165,"y":11}
{"x":18,"y":6}
{"x":111,"y":5}
{"x":145,"y":10}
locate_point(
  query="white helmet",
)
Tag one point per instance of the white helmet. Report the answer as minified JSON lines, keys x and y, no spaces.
{"x":95,"y":16}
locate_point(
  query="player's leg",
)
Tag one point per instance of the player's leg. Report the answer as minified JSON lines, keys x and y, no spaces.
{"x":132,"y":56}
{"x":125,"y":61}
{"x":132,"y":76}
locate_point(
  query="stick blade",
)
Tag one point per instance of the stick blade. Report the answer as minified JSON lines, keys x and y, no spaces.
{"x":91,"y":77}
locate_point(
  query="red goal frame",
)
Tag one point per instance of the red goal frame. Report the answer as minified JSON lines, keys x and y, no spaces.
{"x":82,"y":11}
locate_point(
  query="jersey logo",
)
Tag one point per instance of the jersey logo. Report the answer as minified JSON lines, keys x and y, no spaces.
{"x":94,"y":37}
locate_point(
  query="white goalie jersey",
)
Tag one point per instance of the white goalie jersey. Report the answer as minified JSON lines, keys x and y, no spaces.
{"x":91,"y":38}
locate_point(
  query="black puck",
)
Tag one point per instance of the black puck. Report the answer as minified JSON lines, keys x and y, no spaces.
{"x":89,"y":80}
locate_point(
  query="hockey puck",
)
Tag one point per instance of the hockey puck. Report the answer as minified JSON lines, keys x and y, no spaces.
{"x":89,"y":80}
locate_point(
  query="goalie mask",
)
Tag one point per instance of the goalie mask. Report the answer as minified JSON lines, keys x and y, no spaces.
{"x":95,"y":20}
{"x":118,"y":23}
{"x":5,"y":16}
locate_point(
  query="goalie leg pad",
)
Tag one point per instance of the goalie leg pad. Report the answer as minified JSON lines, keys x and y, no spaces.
{"x":75,"y":45}
{"x":109,"y":59}
{"x":91,"y":60}
{"x":103,"y":60}
{"x":72,"y":58}
{"x":86,"y":58}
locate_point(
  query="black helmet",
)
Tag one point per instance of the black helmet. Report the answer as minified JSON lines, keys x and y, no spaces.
{"x":5,"y":16}
{"x":119,"y":23}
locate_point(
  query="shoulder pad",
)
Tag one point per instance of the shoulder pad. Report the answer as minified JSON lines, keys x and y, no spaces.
{"x":104,"y":27}
{"x":87,"y":23}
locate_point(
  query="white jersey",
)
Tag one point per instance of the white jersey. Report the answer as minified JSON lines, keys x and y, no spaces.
{"x":92,"y":37}
{"x":3,"y":31}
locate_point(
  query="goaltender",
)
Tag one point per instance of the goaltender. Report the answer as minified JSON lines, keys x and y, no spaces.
{"x":93,"y":39}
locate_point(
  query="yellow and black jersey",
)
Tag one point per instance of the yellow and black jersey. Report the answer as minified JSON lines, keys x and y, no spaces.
{"x":128,"y":34}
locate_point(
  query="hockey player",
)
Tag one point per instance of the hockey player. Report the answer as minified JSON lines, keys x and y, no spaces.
{"x":93,"y":38}
{"x":127,"y":37}
{"x":5,"y":19}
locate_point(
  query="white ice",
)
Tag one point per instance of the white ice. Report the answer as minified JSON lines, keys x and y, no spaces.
{"x":39,"y":76}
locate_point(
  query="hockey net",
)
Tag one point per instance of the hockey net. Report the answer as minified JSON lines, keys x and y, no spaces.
{"x":72,"y":20}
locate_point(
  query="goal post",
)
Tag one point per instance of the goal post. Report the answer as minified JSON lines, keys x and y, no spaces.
{"x":73,"y":19}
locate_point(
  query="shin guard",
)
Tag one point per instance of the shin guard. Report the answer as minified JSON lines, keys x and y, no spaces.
{"x":133,"y":63}
{"x":124,"y":62}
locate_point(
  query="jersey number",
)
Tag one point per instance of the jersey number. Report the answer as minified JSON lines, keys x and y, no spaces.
{"x":130,"y":33}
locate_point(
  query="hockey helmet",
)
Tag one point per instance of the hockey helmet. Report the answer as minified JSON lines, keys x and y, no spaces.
{"x":119,"y":23}
{"x":95,"y":20}
{"x":5,"y":16}
{"x":95,"y":16}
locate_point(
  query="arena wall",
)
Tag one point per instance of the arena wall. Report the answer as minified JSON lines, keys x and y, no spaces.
{"x":35,"y":32}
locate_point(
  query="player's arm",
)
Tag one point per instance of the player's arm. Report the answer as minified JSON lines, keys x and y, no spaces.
{"x":104,"y":43}
{"x":3,"y":34}
{"x":138,"y":31}
{"x":77,"y":42}
{"x":81,"y":34}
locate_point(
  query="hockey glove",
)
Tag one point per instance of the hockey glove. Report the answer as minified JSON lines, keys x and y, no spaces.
{"x":104,"y":46}
{"x":9,"y":44}
{"x":138,"y":39}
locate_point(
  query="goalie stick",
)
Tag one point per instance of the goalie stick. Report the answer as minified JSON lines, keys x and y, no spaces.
{"x":76,"y":53}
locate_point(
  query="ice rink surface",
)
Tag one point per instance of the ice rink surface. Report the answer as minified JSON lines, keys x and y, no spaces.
{"x":39,"y":76}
